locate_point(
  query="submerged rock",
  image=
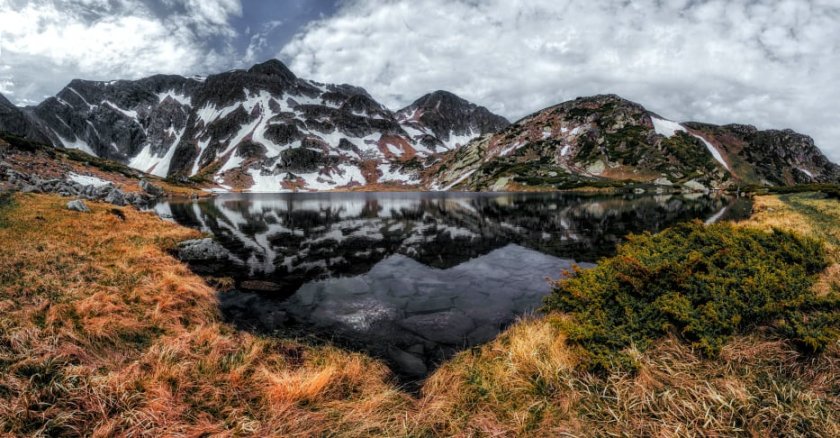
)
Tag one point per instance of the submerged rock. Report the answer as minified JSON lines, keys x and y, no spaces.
{"x":408,"y":363}
{"x":261,"y":286}
{"x":206,"y":256}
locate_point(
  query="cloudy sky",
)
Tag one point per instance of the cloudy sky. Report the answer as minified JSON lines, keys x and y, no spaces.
{"x":772,"y":63}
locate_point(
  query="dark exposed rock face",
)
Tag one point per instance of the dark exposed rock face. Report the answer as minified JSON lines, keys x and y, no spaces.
{"x":13,"y":120}
{"x":773,"y":157}
{"x":262,"y":128}
{"x":239,"y":126}
{"x":118,"y":119}
{"x":595,"y":140}
{"x":447,"y":118}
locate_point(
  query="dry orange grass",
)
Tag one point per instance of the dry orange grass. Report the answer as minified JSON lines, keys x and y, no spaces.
{"x":103,"y":333}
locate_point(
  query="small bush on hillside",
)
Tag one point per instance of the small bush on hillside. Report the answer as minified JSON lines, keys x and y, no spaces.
{"x":701,"y":283}
{"x":22,"y":143}
{"x":6,"y":202}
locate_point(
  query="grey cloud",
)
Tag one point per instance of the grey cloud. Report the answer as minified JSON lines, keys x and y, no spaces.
{"x":771,"y":63}
{"x":56,"y":41}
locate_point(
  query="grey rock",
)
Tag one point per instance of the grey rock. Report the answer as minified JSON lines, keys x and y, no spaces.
{"x":137,"y":200}
{"x":203,"y":250}
{"x":449,"y":327}
{"x":407,"y":363}
{"x":152,"y":189}
{"x":482,"y":334}
{"x":115,"y":197}
{"x":78,"y":205}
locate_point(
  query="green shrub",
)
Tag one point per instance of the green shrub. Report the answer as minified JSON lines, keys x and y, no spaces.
{"x":701,"y":283}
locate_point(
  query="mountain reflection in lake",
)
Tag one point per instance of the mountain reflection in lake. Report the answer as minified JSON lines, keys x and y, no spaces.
{"x":415,"y":277}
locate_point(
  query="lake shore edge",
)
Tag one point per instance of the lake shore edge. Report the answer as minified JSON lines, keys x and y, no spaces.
{"x":105,"y":333}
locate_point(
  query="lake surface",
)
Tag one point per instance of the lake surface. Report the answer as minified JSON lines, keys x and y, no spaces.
{"x":415,"y":277}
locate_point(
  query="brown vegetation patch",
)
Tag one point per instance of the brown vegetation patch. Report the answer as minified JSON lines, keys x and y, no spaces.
{"x":400,"y":143}
{"x":106,"y":334}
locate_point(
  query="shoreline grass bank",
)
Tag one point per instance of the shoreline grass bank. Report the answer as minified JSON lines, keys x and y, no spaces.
{"x":103,"y":333}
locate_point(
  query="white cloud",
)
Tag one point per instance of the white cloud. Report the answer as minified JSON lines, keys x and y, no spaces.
{"x":772,"y":63}
{"x":51,"y":42}
{"x":259,"y":40}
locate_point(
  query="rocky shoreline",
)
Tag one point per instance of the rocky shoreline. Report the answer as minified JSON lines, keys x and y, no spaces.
{"x":109,"y":193}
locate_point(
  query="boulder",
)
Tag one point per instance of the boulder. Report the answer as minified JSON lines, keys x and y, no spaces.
{"x":78,"y":205}
{"x":408,"y":363}
{"x":152,"y":189}
{"x":115,"y":197}
{"x":206,"y":256}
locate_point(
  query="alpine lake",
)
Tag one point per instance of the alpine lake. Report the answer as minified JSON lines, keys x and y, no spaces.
{"x":413,"y":278}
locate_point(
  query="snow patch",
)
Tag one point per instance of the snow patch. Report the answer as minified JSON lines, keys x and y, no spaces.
{"x":394,"y":149}
{"x":156,"y":165}
{"x":180,"y":98}
{"x":456,"y":141}
{"x":232,"y":163}
{"x":87,"y":180}
{"x":713,"y":150}
{"x":507,"y":151}
{"x":210,"y":113}
{"x":667,"y":128}
{"x":458,"y":181}
{"x":315,"y":181}
{"x":76,"y":143}
{"x":128,"y":113}
{"x":565,"y":150}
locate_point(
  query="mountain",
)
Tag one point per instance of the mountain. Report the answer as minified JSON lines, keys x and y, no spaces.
{"x":14,"y":121}
{"x":266,"y":130}
{"x":606,"y":140}
{"x":445,"y":121}
{"x":262,"y":129}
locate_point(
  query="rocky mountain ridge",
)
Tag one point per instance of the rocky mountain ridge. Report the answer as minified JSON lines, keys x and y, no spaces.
{"x":16,"y":122}
{"x":262,"y":130}
{"x":266,"y":130}
{"x":609,"y":140}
